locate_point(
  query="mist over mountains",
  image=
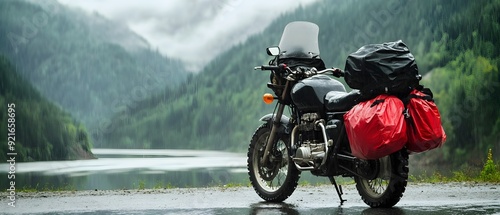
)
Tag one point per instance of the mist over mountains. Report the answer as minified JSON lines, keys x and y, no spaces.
{"x":194,"y":31}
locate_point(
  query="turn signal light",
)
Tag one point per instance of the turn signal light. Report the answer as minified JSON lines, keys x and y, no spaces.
{"x":268,"y":98}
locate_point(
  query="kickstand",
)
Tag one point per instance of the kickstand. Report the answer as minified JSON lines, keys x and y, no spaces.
{"x":338,"y":188}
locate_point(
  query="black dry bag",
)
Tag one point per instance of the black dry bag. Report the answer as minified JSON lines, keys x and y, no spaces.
{"x":382,"y":68}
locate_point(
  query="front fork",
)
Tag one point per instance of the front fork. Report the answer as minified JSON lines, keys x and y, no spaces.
{"x":274,"y":130}
{"x":276,"y":124}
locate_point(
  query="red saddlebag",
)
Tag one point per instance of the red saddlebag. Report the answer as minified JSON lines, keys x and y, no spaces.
{"x":424,"y":125}
{"x":376,"y":128}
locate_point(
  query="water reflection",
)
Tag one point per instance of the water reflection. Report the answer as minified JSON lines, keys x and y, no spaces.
{"x":272,"y":208}
{"x":284,"y":208}
{"x":383,"y":211}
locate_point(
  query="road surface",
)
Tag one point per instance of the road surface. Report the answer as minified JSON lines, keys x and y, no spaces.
{"x":451,"y":198}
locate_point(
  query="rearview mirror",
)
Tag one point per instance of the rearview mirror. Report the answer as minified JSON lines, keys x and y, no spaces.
{"x":273,"y":51}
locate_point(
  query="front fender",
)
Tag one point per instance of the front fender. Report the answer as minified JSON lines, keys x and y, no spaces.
{"x":285,"y":120}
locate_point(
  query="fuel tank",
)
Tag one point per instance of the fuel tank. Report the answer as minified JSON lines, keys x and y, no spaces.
{"x":308,"y":94}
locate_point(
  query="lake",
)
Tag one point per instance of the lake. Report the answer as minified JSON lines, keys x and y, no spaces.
{"x":132,"y":169}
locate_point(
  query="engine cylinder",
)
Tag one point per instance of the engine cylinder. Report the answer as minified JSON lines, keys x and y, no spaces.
{"x":303,"y":153}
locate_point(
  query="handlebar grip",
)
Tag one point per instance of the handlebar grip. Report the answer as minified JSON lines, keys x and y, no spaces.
{"x":270,"y":67}
{"x":338,"y":72}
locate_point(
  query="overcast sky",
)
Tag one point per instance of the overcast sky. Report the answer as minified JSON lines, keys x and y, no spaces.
{"x":188,"y":29}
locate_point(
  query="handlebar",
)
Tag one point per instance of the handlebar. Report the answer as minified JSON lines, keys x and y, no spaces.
{"x":335,"y":71}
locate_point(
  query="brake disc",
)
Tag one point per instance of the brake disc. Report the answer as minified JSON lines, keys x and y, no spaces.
{"x":269,"y":170}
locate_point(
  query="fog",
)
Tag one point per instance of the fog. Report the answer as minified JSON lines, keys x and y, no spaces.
{"x":194,"y":31}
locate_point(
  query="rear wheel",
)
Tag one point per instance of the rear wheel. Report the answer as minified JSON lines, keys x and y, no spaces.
{"x":275,"y":180}
{"x":387,"y":187}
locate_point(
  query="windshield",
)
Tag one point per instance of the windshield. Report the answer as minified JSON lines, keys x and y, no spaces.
{"x":299,"y":40}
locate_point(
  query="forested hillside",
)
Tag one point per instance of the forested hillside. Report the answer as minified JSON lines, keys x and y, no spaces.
{"x":86,"y":64}
{"x":456,"y":48}
{"x":41,"y":130}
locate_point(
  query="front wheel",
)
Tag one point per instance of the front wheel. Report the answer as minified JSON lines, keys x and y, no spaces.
{"x":275,"y":180}
{"x":389,"y":184}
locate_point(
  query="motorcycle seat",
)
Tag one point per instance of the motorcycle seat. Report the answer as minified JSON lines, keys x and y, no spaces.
{"x":341,"y":101}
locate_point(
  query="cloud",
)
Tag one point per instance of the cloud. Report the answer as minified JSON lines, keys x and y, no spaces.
{"x":188,"y":30}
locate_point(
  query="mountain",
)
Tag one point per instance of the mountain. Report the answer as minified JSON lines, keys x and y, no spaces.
{"x":453,"y":42}
{"x":39,"y":130}
{"x":89,"y":66}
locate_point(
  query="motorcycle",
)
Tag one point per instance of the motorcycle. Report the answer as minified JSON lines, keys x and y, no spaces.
{"x":313,"y":138}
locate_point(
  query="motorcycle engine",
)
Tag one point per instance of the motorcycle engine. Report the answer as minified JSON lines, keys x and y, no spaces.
{"x":310,"y":149}
{"x":307,"y":153}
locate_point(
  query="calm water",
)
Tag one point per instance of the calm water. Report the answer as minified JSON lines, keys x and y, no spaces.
{"x":129,"y":169}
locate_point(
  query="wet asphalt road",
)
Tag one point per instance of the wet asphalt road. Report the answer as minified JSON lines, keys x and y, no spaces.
{"x":455,"y":198}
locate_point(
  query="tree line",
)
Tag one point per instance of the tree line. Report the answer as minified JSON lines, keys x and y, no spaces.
{"x":42,"y":131}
